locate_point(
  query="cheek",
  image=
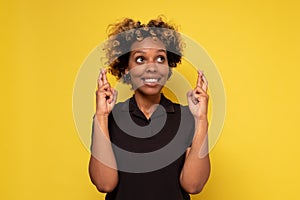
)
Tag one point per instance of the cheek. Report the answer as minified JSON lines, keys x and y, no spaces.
{"x":165,"y":70}
{"x":136,"y":71}
{"x":130,"y":64}
{"x":132,"y":68}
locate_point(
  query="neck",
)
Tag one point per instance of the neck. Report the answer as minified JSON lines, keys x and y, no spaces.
{"x":147,"y":104}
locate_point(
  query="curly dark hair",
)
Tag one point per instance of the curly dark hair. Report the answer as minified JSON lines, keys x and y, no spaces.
{"x":123,"y":34}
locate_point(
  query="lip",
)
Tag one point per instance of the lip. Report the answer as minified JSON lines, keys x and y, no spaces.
{"x":151,"y":81}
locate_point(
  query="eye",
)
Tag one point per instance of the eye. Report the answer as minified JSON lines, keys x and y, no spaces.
{"x":161,"y":59}
{"x":139,"y":59}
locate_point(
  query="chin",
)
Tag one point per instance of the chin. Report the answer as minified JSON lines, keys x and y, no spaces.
{"x":149,"y":91}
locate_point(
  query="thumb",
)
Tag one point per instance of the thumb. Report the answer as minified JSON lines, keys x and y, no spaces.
{"x":115,"y":95}
{"x":189,"y":93}
{"x":189,"y":96}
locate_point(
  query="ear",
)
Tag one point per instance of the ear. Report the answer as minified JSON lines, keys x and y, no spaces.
{"x":126,"y":76}
{"x":126,"y":70}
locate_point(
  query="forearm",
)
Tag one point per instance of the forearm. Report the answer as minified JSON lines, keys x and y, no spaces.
{"x":196,"y":168}
{"x":102,"y":166}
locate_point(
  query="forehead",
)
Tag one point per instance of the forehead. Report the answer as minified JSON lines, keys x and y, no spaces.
{"x":148,"y":42}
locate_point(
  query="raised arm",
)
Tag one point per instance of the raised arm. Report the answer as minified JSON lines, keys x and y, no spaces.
{"x":196,"y":169}
{"x":102,"y":166}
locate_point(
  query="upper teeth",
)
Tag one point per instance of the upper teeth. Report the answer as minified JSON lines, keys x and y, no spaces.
{"x":151,"y":80}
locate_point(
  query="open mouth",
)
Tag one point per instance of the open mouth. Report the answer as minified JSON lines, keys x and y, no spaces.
{"x":151,"y":80}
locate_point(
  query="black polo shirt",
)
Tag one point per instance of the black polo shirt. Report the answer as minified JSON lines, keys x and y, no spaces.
{"x":150,"y":153}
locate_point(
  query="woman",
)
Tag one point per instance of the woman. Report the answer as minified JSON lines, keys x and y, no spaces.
{"x":143,"y":54}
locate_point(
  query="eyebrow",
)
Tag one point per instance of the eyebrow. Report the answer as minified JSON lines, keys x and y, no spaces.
{"x":143,"y":52}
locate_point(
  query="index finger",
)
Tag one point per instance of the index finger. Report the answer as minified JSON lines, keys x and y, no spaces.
{"x":104,"y":76}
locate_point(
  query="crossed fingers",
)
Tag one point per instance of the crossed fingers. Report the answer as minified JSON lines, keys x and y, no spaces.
{"x":104,"y":87}
{"x":201,"y":88}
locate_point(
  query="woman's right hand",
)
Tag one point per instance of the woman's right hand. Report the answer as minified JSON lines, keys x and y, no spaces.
{"x":106,"y":96}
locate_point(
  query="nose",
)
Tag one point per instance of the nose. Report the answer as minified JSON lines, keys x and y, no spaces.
{"x":151,"y":67}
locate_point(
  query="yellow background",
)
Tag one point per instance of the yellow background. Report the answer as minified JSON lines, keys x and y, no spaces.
{"x":255,"y":45}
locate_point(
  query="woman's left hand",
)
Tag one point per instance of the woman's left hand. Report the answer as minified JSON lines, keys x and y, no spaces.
{"x":198,"y":98}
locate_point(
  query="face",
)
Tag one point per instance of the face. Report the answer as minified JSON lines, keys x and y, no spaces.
{"x":148,"y":66}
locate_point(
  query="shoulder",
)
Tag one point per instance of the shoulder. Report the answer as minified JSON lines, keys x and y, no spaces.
{"x":121,"y":110}
{"x":122,"y":106}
